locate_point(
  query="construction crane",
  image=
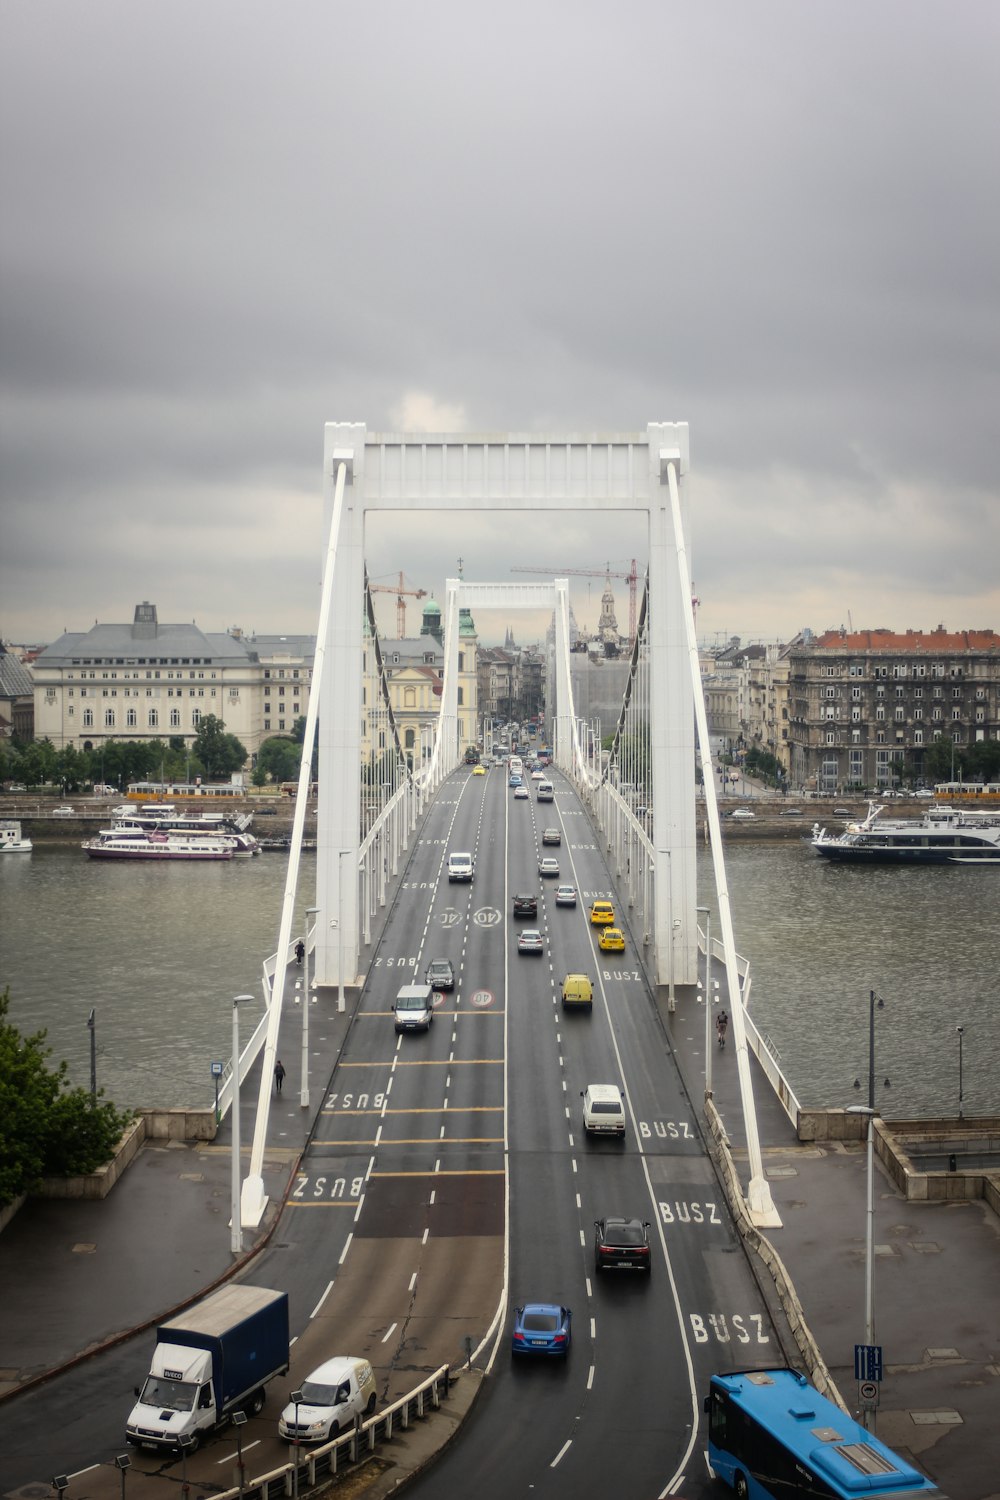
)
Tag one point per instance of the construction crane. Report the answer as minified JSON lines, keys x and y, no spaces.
{"x":400,"y":592}
{"x":631,"y":577}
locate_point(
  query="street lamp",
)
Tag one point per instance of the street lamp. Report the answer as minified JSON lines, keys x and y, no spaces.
{"x":122,"y":1463}
{"x":239,"y":1419}
{"x":708,"y":997}
{"x":860,"y":1109}
{"x":236,"y":1235}
{"x":186,"y":1441}
{"x":961,"y":1034}
{"x":304,"y":1094}
{"x":92,"y":1028}
{"x":296,"y":1398}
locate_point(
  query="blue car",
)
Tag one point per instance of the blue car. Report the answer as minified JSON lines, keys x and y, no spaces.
{"x":514,"y":780}
{"x":541,"y":1328}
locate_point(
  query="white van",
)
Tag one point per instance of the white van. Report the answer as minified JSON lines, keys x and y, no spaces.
{"x":546,"y":791}
{"x":414,"y":1008}
{"x":603,"y":1110}
{"x":332,"y":1397}
{"x":461,"y":867}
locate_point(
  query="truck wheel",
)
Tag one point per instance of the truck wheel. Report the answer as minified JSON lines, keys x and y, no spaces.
{"x":371,"y":1405}
{"x":195,"y":1442}
{"x":257,"y":1402}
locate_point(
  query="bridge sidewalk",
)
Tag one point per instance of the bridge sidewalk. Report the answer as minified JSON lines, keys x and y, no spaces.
{"x":936,"y":1281}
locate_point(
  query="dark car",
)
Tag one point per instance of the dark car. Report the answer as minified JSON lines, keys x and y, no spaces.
{"x":541,"y":1328}
{"x":551,"y":836}
{"x":440,"y":974}
{"x":525,"y":905}
{"x":621,"y":1245}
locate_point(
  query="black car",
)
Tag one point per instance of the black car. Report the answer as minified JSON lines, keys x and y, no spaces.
{"x":525,"y":906}
{"x":440,"y":974}
{"x":621,"y":1245}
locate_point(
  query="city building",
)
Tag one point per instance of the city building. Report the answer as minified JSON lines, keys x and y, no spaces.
{"x":17,"y":698}
{"x":865,"y":705}
{"x":414,"y":670}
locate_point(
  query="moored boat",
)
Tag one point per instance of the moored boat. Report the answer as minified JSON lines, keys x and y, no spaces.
{"x":138,"y":843}
{"x":943,"y":836}
{"x":165,"y":818}
{"x":12,"y":841}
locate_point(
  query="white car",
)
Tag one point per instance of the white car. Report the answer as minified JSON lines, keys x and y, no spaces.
{"x":548,"y":867}
{"x":741,"y":812}
{"x":332,"y":1396}
{"x":64,"y":812}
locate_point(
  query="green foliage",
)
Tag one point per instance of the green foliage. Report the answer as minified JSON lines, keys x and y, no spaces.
{"x":47,"y":1129}
{"x":219,"y":753}
{"x":279,"y":758}
{"x":765,"y":766}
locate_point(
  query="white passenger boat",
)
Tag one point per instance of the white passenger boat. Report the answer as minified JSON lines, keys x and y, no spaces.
{"x":12,"y":840}
{"x":138,"y":843}
{"x":943,"y":836}
{"x":163,"y":817}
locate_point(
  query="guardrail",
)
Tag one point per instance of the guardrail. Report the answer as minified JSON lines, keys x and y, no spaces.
{"x":351,"y":1447}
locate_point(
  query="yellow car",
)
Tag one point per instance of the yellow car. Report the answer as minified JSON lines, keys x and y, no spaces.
{"x":479,"y":771}
{"x":602,"y":914}
{"x":611,"y":940}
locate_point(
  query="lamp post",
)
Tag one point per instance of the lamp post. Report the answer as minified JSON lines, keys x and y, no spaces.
{"x":236,"y":1235}
{"x":239,"y":1422}
{"x":92,"y":1028}
{"x":961,"y":1034}
{"x":708,"y":998}
{"x":304,"y":1092}
{"x":122,"y":1463}
{"x":297,"y":1398}
{"x":860,"y":1109}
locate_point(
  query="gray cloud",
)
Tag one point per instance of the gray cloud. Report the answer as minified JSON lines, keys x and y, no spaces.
{"x":225,"y":225}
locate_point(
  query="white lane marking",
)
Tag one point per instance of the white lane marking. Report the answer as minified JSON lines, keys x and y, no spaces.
{"x":347,"y":1246}
{"x":593,"y":1328}
{"x":357,"y":1211}
{"x":371,"y":1163}
{"x":437,"y":1165}
{"x":227,"y":1460}
{"x":590,"y":1379}
{"x":562,"y":1452}
{"x":433,"y":1191}
{"x":319,"y":1304}
{"x":590,"y":1289}
{"x":388,"y":1333}
{"x":426,"y":1233}
{"x":574,"y":1159}
{"x":413,"y":1282}
{"x":441,"y":1133}
{"x":578,"y":1202}
{"x":378,"y":1135}
{"x":388,"y":1088}
{"x":583,"y":1238}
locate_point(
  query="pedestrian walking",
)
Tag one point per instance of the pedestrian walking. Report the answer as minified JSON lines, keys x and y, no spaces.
{"x":279,"y":1074}
{"x":721,"y":1027}
{"x":300,"y":951}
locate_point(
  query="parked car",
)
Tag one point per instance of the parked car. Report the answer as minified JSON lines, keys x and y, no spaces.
{"x":566,"y":895}
{"x":525,"y":905}
{"x":548,"y":867}
{"x":611,"y":940}
{"x":541,"y":1328}
{"x":602,"y":914}
{"x":551,"y":836}
{"x":440,"y":974}
{"x":529,"y":940}
{"x":622,"y":1245}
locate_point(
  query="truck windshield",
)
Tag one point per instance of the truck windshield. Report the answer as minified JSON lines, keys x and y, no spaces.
{"x":175,"y":1395}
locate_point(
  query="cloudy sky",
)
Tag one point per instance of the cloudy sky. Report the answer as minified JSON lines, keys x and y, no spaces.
{"x":223,"y":224}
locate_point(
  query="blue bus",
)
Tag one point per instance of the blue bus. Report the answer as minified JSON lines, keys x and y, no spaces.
{"x":772,"y":1436}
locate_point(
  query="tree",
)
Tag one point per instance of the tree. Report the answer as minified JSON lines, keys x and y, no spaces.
{"x":47,"y":1129}
{"x":279,"y":758}
{"x":219,"y":753}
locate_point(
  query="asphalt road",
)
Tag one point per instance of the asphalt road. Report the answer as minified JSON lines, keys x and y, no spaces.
{"x":439,"y":1161}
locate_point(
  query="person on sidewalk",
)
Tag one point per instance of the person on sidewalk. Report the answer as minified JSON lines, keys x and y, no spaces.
{"x":721,"y":1027}
{"x":300,"y":951}
{"x":279,"y":1074}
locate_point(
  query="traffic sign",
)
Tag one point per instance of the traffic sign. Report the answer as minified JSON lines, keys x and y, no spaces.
{"x":868,"y":1361}
{"x":868,"y":1390}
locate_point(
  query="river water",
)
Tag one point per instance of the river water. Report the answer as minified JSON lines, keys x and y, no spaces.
{"x":159,"y":951}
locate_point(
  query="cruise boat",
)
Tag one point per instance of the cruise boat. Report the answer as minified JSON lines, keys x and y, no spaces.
{"x":11,"y":839}
{"x":163,"y":817}
{"x":138,"y":843}
{"x":943,"y":836}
